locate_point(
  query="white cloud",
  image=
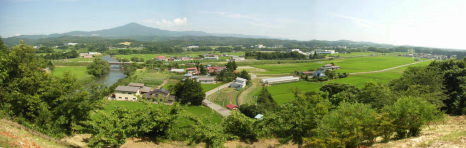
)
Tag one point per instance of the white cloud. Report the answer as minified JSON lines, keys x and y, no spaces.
{"x":182,"y":21}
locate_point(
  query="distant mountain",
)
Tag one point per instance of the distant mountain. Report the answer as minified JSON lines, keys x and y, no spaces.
{"x":135,"y":31}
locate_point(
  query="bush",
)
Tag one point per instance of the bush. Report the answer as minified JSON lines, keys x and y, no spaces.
{"x":410,"y":114}
{"x":350,"y":125}
{"x":240,"y":125}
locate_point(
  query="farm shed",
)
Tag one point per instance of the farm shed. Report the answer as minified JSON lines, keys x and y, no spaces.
{"x":280,"y":80}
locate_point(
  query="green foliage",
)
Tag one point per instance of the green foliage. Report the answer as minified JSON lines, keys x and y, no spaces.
{"x":376,"y":94}
{"x":265,"y":101}
{"x":240,"y":125}
{"x":340,"y":92}
{"x":56,"y":105}
{"x":226,"y":76}
{"x":295,"y":121}
{"x":189,"y":92}
{"x":212,"y":135}
{"x":98,"y":68}
{"x":111,"y":130}
{"x":349,"y":125}
{"x":245,"y":75}
{"x":421,"y":82}
{"x":409,"y":114}
{"x":231,"y":65}
{"x":454,"y":81}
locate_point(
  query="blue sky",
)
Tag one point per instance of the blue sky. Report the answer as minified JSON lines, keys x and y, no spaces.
{"x":433,"y":23}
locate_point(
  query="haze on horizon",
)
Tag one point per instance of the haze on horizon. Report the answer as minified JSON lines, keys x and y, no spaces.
{"x":430,"y":23}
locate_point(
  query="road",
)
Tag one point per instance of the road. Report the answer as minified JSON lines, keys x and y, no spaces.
{"x":217,"y":108}
{"x":383,"y":70}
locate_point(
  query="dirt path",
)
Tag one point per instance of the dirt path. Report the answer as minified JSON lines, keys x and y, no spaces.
{"x":217,"y":108}
{"x":163,"y":83}
{"x":383,"y":70}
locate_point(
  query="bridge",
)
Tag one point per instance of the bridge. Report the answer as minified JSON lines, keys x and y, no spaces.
{"x":119,"y":63}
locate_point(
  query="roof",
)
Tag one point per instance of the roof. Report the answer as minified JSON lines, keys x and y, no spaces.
{"x":145,"y":89}
{"x":206,"y":78}
{"x":259,"y":116}
{"x":231,"y":106}
{"x":279,"y":79}
{"x":191,"y":68}
{"x":136,"y":84}
{"x":127,"y":88}
{"x":240,"y":79}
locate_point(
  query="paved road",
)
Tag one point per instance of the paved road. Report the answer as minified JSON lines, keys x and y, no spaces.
{"x":219,"y":109}
{"x":383,"y":70}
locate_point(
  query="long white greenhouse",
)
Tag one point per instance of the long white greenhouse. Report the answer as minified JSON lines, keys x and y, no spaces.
{"x":280,"y":80}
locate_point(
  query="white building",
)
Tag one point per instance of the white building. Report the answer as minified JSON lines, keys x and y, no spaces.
{"x":238,"y":83}
{"x":280,"y":80}
{"x":325,"y":51}
{"x":260,"y":46}
{"x":177,"y":70}
{"x":301,"y":52}
{"x":192,"y":47}
{"x":237,"y":58}
{"x":70,"y":44}
{"x":211,"y":58}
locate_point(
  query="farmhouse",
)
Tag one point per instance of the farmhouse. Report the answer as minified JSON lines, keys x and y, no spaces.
{"x":89,"y":54}
{"x":192,"y":70}
{"x":210,"y":57}
{"x":206,"y":80}
{"x":130,"y":92}
{"x":71,"y":44}
{"x":237,"y":58}
{"x":238,"y":83}
{"x":125,"y":43}
{"x":215,"y":69}
{"x":160,"y":95}
{"x":161,"y":58}
{"x":330,"y":67}
{"x":280,"y":80}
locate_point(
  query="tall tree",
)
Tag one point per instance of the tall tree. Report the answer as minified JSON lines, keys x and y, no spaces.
{"x":189,"y":92}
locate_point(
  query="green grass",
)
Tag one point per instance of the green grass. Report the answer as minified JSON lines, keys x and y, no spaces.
{"x":78,"y":71}
{"x":192,"y":54}
{"x":205,"y":114}
{"x":150,"y":78}
{"x":224,"y":96}
{"x":356,"y":64}
{"x":207,"y":87}
{"x":283,"y":93}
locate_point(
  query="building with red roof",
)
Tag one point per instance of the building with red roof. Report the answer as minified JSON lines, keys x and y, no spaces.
{"x":232,"y":107}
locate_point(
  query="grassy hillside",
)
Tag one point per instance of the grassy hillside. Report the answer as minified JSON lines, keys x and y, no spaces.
{"x":13,"y":134}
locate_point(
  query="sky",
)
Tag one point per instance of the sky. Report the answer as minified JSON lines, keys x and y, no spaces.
{"x":429,"y":23}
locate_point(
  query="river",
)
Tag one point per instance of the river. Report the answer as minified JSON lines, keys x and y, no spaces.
{"x":114,"y":75}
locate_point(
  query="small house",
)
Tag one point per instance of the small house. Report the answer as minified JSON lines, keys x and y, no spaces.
{"x":192,"y":70}
{"x":160,"y":95}
{"x":238,"y":83}
{"x":215,"y":69}
{"x":206,"y":80}
{"x":126,"y":93}
{"x":232,"y":107}
{"x":161,"y":58}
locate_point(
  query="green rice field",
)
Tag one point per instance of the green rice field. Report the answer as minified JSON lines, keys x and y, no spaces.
{"x":78,"y":71}
{"x":282,"y":93}
{"x":192,"y":54}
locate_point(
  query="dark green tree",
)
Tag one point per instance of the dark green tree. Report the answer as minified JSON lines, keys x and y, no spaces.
{"x":98,"y":68}
{"x":231,"y":65}
{"x":189,"y":92}
{"x":241,"y":126}
{"x":376,"y":94}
